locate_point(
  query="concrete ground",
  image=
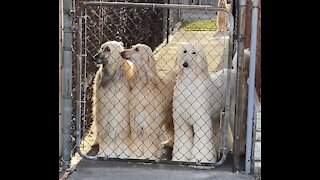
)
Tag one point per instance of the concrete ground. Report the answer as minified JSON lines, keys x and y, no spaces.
{"x":115,"y":170}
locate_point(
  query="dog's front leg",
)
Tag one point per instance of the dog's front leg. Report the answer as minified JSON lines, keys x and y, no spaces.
{"x":203,"y":149}
{"x":152,"y":143}
{"x":137,"y":136}
{"x":123,"y":139}
{"x":183,"y":139}
{"x":168,"y":129}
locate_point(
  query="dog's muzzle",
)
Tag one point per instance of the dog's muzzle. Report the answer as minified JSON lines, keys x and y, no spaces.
{"x":97,"y":59}
{"x":185,"y":64}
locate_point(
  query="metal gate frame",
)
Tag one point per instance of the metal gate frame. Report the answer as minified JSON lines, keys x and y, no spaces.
{"x":79,"y":101}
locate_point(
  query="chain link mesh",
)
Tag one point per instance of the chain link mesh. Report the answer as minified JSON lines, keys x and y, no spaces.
{"x":132,"y":119}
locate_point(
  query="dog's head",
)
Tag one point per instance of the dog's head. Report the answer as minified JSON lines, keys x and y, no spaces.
{"x":109,"y":54}
{"x":246,"y":61}
{"x":192,"y":59}
{"x":222,"y":3}
{"x":142,"y":57}
{"x":109,"y":59}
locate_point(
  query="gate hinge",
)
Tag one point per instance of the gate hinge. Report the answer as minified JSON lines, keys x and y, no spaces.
{"x":68,"y":29}
{"x":71,"y":12}
{"x":70,"y":48}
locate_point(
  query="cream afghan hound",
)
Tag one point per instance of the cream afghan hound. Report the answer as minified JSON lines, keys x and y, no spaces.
{"x":150,"y":106}
{"x":111,"y":96}
{"x":222,"y":17}
{"x":197,"y":102}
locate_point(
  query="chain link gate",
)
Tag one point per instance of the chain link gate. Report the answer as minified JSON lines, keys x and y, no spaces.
{"x":112,"y":126}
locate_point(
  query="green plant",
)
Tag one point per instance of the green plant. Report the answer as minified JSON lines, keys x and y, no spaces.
{"x":201,"y":25}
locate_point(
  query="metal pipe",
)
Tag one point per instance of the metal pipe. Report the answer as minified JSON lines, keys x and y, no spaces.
{"x":165,"y":6}
{"x":239,"y":114}
{"x":168,"y":23}
{"x":67,"y":81}
{"x":154,"y":5}
{"x":78,"y":84}
{"x":149,"y":5}
{"x":60,"y":79}
{"x":227,"y":104}
{"x":79,"y":99}
{"x":251,"y":88}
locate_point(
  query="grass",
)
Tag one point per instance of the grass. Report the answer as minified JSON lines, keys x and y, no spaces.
{"x":201,"y":25}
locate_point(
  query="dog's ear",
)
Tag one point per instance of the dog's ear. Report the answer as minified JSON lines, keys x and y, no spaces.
{"x":129,"y":73}
{"x":121,"y":43}
{"x":117,"y":57}
{"x":176,"y":70}
{"x":247,"y":60}
{"x":151,"y":61}
{"x":247,"y":52}
{"x":152,"y":69}
{"x":202,"y":62}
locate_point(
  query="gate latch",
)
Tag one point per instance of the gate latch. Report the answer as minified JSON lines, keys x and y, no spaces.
{"x":221,"y":117}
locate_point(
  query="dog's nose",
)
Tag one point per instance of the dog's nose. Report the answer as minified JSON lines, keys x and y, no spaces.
{"x":185,"y":64}
{"x":96,"y":56}
{"x":97,"y":59}
{"x":122,"y":54}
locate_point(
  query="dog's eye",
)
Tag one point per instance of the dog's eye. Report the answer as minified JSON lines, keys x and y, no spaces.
{"x":137,"y":49}
{"x":193,"y":53}
{"x":185,"y":51}
{"x":107,"y":48}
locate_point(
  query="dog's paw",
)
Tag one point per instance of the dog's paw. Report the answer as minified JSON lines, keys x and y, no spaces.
{"x":94,"y":150}
{"x":166,"y":153}
{"x":122,"y":156}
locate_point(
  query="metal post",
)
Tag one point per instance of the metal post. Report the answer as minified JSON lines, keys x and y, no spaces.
{"x":251,"y":89}
{"x":239,"y":91}
{"x":228,"y":93}
{"x":60,"y":78}
{"x":67,"y":81}
{"x":78,"y":84}
{"x":80,"y":101}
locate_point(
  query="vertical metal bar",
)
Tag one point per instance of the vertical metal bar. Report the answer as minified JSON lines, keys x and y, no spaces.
{"x":234,"y":13}
{"x":60,"y":78}
{"x":228,"y":93}
{"x":78,"y":83}
{"x":227,"y":104}
{"x":179,"y":11}
{"x":239,"y":91}
{"x":67,"y":81}
{"x":81,"y":101}
{"x":168,"y":23}
{"x":85,"y":63}
{"x":251,"y":89}
{"x":82,"y":43}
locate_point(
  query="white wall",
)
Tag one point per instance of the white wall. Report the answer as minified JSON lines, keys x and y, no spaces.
{"x":257,"y":145}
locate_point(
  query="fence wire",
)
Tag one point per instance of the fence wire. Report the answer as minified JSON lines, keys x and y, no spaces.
{"x":150,"y":83}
